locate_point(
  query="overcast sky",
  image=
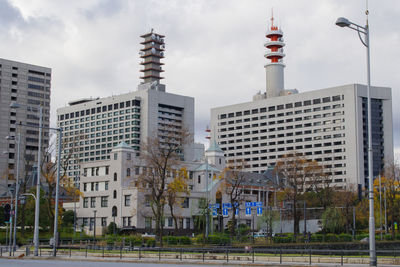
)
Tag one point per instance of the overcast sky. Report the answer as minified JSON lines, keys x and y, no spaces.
{"x":214,"y":49}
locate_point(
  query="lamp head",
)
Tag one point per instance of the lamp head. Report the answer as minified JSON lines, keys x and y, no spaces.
{"x":342,"y":22}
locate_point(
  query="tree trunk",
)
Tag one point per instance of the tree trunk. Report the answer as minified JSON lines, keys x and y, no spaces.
{"x":174,"y":218}
{"x":296,"y":227}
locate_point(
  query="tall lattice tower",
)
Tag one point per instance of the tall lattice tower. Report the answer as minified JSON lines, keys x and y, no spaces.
{"x":274,"y":67}
{"x":152,"y":53}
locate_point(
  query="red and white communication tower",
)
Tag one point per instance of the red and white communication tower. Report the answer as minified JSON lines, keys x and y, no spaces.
{"x":274,"y":66}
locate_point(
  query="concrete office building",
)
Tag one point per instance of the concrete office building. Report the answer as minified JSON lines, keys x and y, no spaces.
{"x":92,"y":127}
{"x":29,"y":86}
{"x":327,"y":125}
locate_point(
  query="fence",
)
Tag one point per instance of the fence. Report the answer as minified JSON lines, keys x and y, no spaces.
{"x":223,"y":254}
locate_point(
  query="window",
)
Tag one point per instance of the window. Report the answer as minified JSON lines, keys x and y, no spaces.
{"x":147,"y":222}
{"x":93,"y":202}
{"x":115,"y":176}
{"x":126,"y":221}
{"x":107,"y":169}
{"x":85,"y":221}
{"x":115,"y":194}
{"x":84,"y":187}
{"x":85,"y":202}
{"x":128,"y":172}
{"x":127,"y":200}
{"x":170,"y":221}
{"x":185,"y":203}
{"x":115,"y":156}
{"x":199,"y":179}
{"x":147,"y":200}
{"x":104,"y":202}
{"x":97,"y":186}
{"x":104,"y":221}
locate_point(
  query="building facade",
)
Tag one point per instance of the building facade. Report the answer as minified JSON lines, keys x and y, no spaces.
{"x":327,"y":125}
{"x":92,"y":127}
{"x":111,"y":193}
{"x":27,"y":87}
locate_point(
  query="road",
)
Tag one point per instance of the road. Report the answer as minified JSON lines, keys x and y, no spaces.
{"x":58,"y":263}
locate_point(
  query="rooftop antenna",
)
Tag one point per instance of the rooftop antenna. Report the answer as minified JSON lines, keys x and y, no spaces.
{"x":272,"y":17}
{"x":366,"y":11}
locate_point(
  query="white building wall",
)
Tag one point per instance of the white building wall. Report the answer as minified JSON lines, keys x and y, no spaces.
{"x":329,"y":132}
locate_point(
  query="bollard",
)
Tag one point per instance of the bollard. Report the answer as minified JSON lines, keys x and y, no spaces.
{"x":310,"y":256}
{"x":227,"y":255}
{"x":40,"y":251}
{"x":203,"y":255}
{"x":86,"y":251}
{"x":181,"y":253}
{"x":27,"y":251}
{"x":253,"y":255}
{"x":159,"y":254}
{"x":280,"y":256}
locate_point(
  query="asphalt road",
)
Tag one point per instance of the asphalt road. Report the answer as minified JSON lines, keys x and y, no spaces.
{"x":59,"y":263}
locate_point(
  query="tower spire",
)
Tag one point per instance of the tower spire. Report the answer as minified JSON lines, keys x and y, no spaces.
{"x":274,"y":55}
{"x":152,"y":53}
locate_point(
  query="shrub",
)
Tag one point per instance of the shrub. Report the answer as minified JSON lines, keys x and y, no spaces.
{"x":317,"y":238}
{"x":331,"y":238}
{"x":151,"y":242}
{"x":170,"y":240}
{"x":133,"y":240}
{"x":345,"y":238}
{"x":184,"y":240}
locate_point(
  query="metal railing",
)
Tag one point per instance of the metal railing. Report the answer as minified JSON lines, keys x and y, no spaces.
{"x":224,"y":254}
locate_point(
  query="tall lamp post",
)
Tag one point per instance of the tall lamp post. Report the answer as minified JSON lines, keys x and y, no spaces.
{"x":343,"y":22}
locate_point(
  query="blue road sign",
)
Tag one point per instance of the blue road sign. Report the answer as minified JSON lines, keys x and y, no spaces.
{"x":226,"y":205}
{"x":237,"y":211}
{"x":259,"y":211}
{"x":225,"y":212}
{"x":248,"y":204}
{"x":214,"y":213}
{"x":248,"y":211}
{"x":258,"y":204}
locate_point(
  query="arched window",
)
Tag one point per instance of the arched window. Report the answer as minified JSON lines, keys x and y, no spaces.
{"x":115,"y":194}
{"x":128,"y":172}
{"x":115,"y":176}
{"x":114,"y":211}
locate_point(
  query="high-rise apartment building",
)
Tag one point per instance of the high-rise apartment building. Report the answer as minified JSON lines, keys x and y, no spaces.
{"x":27,"y":86}
{"x":92,"y":127}
{"x":327,"y":125}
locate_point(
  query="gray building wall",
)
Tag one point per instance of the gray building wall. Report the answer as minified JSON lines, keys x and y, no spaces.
{"x":100,"y":131}
{"x":29,"y":86}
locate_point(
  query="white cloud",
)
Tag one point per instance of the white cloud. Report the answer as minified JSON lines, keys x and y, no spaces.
{"x":214,"y":48}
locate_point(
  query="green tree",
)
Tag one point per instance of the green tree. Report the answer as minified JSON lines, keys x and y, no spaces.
{"x":68,"y":218}
{"x":333,"y":221}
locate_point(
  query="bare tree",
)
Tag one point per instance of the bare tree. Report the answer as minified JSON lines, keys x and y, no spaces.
{"x":300,"y":175}
{"x":162,"y":155}
{"x":232,"y":185}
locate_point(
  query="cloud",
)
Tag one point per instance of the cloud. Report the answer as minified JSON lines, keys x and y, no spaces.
{"x":214,"y":49}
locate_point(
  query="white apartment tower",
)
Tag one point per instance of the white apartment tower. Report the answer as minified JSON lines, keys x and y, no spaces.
{"x":92,"y":127}
{"x":27,"y":87}
{"x":327,"y":125}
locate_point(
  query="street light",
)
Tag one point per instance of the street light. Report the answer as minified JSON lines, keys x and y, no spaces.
{"x":36,"y":230}
{"x":343,"y":22}
{"x":16,"y":105}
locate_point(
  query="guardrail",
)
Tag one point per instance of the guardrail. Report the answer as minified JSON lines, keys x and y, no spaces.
{"x":225,"y":254}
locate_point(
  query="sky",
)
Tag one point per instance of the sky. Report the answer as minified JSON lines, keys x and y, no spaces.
{"x":214,"y":48}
